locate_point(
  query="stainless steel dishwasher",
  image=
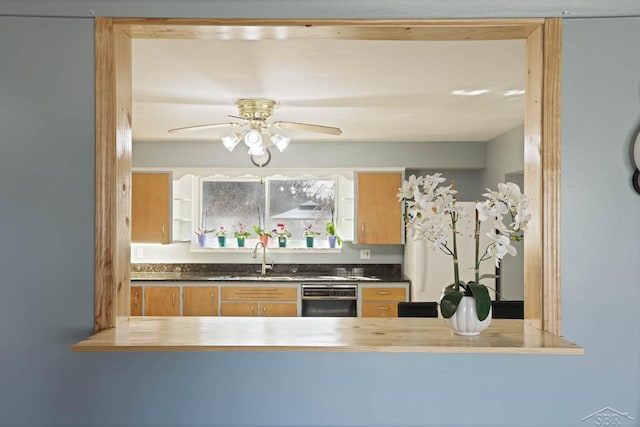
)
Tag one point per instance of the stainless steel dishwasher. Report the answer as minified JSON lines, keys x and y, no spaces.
{"x":330,"y":300}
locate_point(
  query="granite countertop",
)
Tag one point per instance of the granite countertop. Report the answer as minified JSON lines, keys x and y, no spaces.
{"x":257,"y":277}
{"x":280,"y":273}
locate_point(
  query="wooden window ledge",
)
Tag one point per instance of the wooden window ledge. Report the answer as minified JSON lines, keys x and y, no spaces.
{"x":318,"y":334}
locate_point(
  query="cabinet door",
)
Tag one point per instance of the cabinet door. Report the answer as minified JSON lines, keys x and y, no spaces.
{"x":384,"y":294}
{"x":162,"y":301}
{"x":200,"y":301}
{"x":379,"y":309}
{"x":150,"y":207}
{"x":239,"y":309}
{"x":136,"y":301}
{"x":278,"y":309}
{"x":379,"y":213}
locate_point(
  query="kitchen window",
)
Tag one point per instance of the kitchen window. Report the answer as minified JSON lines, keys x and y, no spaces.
{"x":296,"y":203}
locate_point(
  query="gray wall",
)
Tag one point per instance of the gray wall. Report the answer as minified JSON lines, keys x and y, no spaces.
{"x":327,"y":154}
{"x":505,"y":155}
{"x":505,"y":162}
{"x":46,"y":220}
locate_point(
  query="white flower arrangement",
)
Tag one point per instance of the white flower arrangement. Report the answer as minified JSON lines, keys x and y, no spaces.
{"x":432,"y":213}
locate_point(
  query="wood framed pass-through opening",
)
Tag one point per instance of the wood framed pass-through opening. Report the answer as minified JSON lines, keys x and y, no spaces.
{"x":113,"y":135}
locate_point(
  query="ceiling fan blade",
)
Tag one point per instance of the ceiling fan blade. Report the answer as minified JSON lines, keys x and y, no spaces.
{"x":308,"y":127}
{"x":203,"y":127}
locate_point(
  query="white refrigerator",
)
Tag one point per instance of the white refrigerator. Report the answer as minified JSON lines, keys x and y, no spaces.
{"x":430,"y":270}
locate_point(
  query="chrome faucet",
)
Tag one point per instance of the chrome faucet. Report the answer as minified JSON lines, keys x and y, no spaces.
{"x":265,"y":266}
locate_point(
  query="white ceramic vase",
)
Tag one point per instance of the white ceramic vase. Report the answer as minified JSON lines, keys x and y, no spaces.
{"x":465,"y":320}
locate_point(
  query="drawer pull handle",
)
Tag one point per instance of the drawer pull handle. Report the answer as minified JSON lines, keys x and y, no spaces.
{"x":135,"y":299}
{"x":173,"y":300}
{"x":383,"y":292}
{"x":383,"y":307}
{"x":213,"y":299}
{"x":162,"y":229}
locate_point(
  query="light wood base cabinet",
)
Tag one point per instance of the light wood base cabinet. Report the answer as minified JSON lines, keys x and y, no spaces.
{"x":162,"y":301}
{"x":379,"y":309}
{"x":136,"y":300}
{"x":382,"y":301}
{"x":273,"y":301}
{"x":200,"y":301}
{"x":239,"y":309}
{"x":278,"y":309}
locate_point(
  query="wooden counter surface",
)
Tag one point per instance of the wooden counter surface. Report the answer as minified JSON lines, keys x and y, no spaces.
{"x":196,"y":334}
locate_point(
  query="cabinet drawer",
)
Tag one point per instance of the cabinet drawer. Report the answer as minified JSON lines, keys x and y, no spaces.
{"x":254,"y":293}
{"x":239,"y":309}
{"x":383,"y":294}
{"x":278,"y":309}
{"x":373,"y":309}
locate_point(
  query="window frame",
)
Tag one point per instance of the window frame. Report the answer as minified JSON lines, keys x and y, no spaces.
{"x":301,"y":176}
{"x":542,"y":137}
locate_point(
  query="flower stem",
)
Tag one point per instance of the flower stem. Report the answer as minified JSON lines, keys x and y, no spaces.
{"x":456,"y":273}
{"x":477,"y":238}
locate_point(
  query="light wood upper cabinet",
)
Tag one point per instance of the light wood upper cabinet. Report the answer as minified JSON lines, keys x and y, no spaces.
{"x":200,"y":301}
{"x":162,"y":301}
{"x":150,"y":207}
{"x":378,"y":211}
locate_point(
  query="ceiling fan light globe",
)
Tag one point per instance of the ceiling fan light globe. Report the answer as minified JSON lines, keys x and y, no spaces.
{"x":252,"y":138}
{"x":280,"y":141}
{"x":256,"y":150}
{"x":230,"y":141}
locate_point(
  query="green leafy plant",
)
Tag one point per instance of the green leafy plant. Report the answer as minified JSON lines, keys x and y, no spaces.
{"x":261,"y":231}
{"x":432,"y":213}
{"x":309,"y":232}
{"x":241,"y":232}
{"x":331,"y":231}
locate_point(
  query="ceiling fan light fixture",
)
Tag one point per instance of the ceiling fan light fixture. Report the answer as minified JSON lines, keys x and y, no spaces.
{"x":280,"y":141}
{"x":230,"y":141}
{"x":255,"y":114}
{"x":257,"y":150}
{"x":252,"y":138}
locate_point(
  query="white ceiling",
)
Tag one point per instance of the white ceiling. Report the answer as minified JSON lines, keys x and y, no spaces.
{"x":372,"y":90}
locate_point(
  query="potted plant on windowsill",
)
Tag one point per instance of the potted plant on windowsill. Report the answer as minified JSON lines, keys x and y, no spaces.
{"x":282,"y":234}
{"x":263,"y":234}
{"x":222,"y":236}
{"x":432,"y":213}
{"x":241,"y":234}
{"x":332,"y":235}
{"x":310,"y":235}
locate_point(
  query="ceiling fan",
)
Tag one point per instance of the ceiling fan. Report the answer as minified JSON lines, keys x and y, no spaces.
{"x":255,"y":112}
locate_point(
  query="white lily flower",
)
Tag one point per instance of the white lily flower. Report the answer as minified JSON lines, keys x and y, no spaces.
{"x":409,"y":187}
